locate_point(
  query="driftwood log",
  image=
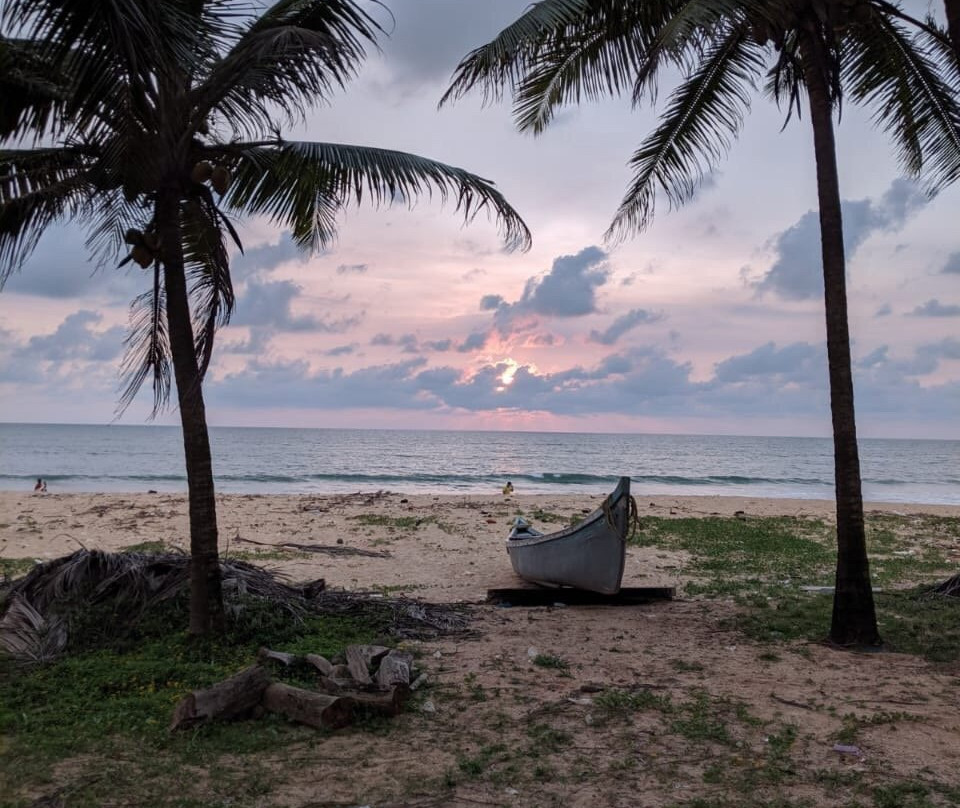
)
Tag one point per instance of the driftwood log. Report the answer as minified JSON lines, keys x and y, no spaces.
{"x":348,"y":688}
{"x":228,"y":699}
{"x":395,"y":669}
{"x":360,"y":658}
{"x":306,"y":707}
{"x":390,"y":703}
{"x":322,"y":664}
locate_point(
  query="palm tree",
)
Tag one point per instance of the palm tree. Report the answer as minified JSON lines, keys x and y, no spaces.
{"x":953,"y":23}
{"x":153,"y":124}
{"x":818,"y":51}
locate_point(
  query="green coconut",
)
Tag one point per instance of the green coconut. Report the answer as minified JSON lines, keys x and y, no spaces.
{"x":220,"y":179}
{"x":202,"y":172}
{"x":142,"y":256}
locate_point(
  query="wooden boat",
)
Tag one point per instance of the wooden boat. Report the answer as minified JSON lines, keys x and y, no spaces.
{"x":588,"y":555}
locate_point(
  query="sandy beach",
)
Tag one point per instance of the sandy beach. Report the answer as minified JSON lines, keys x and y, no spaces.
{"x":455,"y":552}
{"x":486,"y":691}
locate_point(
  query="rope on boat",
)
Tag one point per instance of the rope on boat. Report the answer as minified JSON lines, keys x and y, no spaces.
{"x":633,"y":519}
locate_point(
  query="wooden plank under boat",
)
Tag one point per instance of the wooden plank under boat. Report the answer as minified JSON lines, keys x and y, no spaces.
{"x":588,"y":555}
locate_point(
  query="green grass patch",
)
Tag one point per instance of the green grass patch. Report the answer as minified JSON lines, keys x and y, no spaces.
{"x":734,"y":555}
{"x":551,"y":661}
{"x":117,"y":687}
{"x":264,"y":555}
{"x":15,"y":567}
{"x":396,"y":522}
{"x":540,"y":515}
{"x":146,"y":547}
{"x":761,"y":564}
{"x":909,"y":622}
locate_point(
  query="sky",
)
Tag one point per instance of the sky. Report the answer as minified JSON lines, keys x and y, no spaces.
{"x":709,"y":322}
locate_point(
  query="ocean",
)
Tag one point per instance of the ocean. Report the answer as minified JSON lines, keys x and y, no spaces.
{"x":117,"y":458}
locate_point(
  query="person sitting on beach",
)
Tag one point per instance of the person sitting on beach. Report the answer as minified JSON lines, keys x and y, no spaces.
{"x":39,"y":487}
{"x":508,"y":489}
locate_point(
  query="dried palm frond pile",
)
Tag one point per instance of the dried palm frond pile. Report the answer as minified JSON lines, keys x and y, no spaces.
{"x":39,"y":609}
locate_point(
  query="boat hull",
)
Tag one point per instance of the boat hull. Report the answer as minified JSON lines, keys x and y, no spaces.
{"x":589,"y":555}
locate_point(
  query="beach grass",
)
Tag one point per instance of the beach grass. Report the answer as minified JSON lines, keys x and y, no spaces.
{"x":114,"y":692}
{"x":779,"y":571}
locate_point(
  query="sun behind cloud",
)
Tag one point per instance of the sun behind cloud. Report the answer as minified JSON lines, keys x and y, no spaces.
{"x":506,"y":378}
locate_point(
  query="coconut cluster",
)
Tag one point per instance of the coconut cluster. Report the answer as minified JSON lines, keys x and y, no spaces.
{"x":218,"y":176}
{"x":145,"y":246}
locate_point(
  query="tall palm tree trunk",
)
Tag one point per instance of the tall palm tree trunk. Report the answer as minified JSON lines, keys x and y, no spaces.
{"x":206,"y":596}
{"x":854,"y":617}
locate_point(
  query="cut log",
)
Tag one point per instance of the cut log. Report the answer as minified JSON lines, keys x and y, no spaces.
{"x":305,"y":707}
{"x":282,"y":657}
{"x":395,"y":669}
{"x":226,"y":700}
{"x":361,"y":657}
{"x":341,"y":676}
{"x":322,"y":664}
{"x":390,"y":703}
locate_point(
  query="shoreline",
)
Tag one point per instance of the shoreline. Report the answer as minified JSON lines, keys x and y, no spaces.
{"x":436,"y":547}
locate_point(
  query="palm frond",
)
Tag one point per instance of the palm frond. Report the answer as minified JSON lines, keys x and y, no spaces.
{"x":704,"y":115}
{"x":598,"y":56}
{"x":36,"y":624}
{"x":207,"y":265}
{"x":292,"y":57}
{"x":33,"y":91}
{"x":785,"y":80}
{"x":37,"y":188}
{"x":114,"y":52}
{"x":504,"y":61}
{"x":147,"y":347}
{"x":901,"y":79}
{"x":27,"y":636}
{"x":681,"y":32}
{"x":304,"y":186}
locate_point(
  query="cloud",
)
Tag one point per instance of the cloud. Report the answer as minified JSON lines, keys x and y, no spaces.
{"x":567,"y":290}
{"x":373,"y":387}
{"x":341,"y":350}
{"x":269,"y":304}
{"x":474,"y":342}
{"x":266,"y":257}
{"x":799,"y":362}
{"x":62,"y":267}
{"x":76,"y":339}
{"x":884,"y":311}
{"x":934,"y":308}
{"x":428,"y":37}
{"x":623,"y":324}
{"x":797,"y":270}
{"x":257,"y":343}
{"x":410,"y":343}
{"x":952,"y":267}
{"x":437,"y":345}
{"x":352,"y":269}
{"x":75,"y":353}
{"x":769,"y":381}
{"x":948,"y":348}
